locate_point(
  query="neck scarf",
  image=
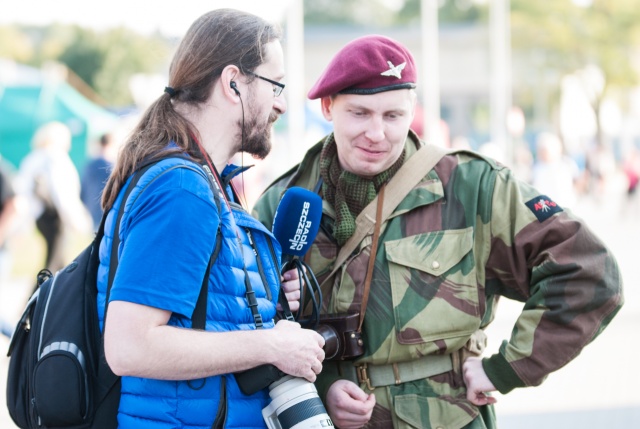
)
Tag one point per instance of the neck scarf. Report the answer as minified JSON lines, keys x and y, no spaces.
{"x":347,"y":192}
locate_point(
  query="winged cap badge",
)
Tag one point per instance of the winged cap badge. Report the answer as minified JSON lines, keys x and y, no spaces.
{"x":394,"y":70}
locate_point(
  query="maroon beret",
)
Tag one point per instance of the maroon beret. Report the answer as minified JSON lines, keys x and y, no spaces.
{"x":367,"y":65}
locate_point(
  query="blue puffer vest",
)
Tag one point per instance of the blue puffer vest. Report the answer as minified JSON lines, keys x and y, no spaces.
{"x":160,"y":404}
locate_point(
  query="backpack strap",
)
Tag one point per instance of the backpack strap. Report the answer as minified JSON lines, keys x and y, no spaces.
{"x":115,"y":244}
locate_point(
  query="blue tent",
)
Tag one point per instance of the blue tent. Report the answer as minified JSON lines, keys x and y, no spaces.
{"x":25,"y":105}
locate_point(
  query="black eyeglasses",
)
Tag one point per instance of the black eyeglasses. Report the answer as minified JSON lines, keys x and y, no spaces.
{"x":277,"y":86}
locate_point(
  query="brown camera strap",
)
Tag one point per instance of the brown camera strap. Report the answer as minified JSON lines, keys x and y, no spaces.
{"x":372,"y":257}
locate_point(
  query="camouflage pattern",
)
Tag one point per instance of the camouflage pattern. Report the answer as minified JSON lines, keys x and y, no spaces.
{"x":463,"y":237}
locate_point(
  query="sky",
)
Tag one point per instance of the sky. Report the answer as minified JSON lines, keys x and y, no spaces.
{"x":170,"y":17}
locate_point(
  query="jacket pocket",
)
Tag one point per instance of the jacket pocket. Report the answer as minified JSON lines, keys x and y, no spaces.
{"x":418,"y":412}
{"x":434,"y":288}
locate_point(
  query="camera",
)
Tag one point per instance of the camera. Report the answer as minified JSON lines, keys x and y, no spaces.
{"x":342,"y":340}
{"x":295,"y":404}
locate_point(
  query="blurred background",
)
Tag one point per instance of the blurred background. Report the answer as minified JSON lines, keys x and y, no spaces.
{"x":550,"y":88}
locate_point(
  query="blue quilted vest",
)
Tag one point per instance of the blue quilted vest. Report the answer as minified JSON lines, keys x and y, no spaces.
{"x":162,"y":404}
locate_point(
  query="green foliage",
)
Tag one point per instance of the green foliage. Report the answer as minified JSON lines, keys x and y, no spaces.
{"x":570,"y":37}
{"x":126,"y":54}
{"x":103,"y":60}
{"x":84,"y":55}
{"x":386,"y":12}
{"x":449,"y":11}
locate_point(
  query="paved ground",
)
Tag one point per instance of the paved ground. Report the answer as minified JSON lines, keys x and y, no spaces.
{"x":597,"y":389}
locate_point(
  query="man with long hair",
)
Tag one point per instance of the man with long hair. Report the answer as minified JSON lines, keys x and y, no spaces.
{"x":223,"y":96}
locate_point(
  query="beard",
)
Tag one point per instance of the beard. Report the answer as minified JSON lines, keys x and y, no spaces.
{"x":257,"y":134}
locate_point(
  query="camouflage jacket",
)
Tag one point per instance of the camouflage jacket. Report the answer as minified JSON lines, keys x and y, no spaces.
{"x":467,"y":234}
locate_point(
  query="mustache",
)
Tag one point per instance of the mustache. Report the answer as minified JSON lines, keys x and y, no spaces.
{"x":273,"y":117}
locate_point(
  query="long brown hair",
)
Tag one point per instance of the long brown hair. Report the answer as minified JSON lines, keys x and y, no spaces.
{"x":215,"y":40}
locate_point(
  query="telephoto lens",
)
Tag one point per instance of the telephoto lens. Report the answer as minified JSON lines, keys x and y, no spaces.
{"x":295,"y":404}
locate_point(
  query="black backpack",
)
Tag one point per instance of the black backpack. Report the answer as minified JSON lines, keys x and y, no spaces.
{"x":58,"y":376}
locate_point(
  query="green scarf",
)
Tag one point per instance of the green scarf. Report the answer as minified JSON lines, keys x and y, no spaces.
{"x":347,"y":192}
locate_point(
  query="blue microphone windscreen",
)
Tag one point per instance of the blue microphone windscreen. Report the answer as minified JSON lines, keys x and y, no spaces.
{"x":297,"y":220}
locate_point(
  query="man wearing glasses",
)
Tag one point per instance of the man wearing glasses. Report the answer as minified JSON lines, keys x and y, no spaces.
{"x":216,"y":105}
{"x":277,"y":86}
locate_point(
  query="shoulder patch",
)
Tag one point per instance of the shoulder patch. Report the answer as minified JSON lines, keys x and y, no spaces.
{"x":543,"y":207}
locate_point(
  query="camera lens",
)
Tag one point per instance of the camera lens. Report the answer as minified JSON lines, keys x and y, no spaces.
{"x":331,"y":341}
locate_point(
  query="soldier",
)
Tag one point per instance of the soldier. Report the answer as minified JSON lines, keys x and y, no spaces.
{"x":427,"y":280}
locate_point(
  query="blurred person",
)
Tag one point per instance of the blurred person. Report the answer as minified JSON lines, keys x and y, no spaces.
{"x":601,"y":166}
{"x":223,"y":97}
{"x":522,"y":160}
{"x":50,"y":184}
{"x":95,"y":176}
{"x":8,"y":214}
{"x":554,"y":173}
{"x":467,"y":234}
{"x":631,"y":169}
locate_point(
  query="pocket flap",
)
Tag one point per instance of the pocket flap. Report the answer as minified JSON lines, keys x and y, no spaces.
{"x":433,"y":252}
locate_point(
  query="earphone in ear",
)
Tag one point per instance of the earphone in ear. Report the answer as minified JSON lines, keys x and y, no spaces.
{"x":235,"y":88}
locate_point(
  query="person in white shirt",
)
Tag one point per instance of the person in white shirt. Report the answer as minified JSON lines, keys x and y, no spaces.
{"x":49,"y":183}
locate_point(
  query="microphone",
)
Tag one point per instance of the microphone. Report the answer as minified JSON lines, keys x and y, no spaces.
{"x":296,"y":223}
{"x":295,"y":226}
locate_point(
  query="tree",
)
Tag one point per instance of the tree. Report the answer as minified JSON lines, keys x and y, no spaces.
{"x":606,"y":35}
{"x":103,"y":61}
{"x":84,"y":55}
{"x":449,"y":11}
{"x":385,"y":13}
{"x":107,"y":61}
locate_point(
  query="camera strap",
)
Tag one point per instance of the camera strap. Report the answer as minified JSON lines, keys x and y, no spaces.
{"x":372,"y":258}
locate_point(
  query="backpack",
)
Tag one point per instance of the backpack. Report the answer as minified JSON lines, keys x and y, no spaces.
{"x":58,"y":376}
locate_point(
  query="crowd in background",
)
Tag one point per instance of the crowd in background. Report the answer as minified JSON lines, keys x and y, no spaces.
{"x":49,"y":195}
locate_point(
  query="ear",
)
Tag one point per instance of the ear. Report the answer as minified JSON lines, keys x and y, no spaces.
{"x":229,"y":74}
{"x":326,"y":103}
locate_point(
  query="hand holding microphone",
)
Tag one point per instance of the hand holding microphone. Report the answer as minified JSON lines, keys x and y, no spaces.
{"x":295,"y":226}
{"x":291,"y":289}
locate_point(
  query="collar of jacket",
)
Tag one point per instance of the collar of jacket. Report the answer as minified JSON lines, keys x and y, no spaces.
{"x":428,"y":191}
